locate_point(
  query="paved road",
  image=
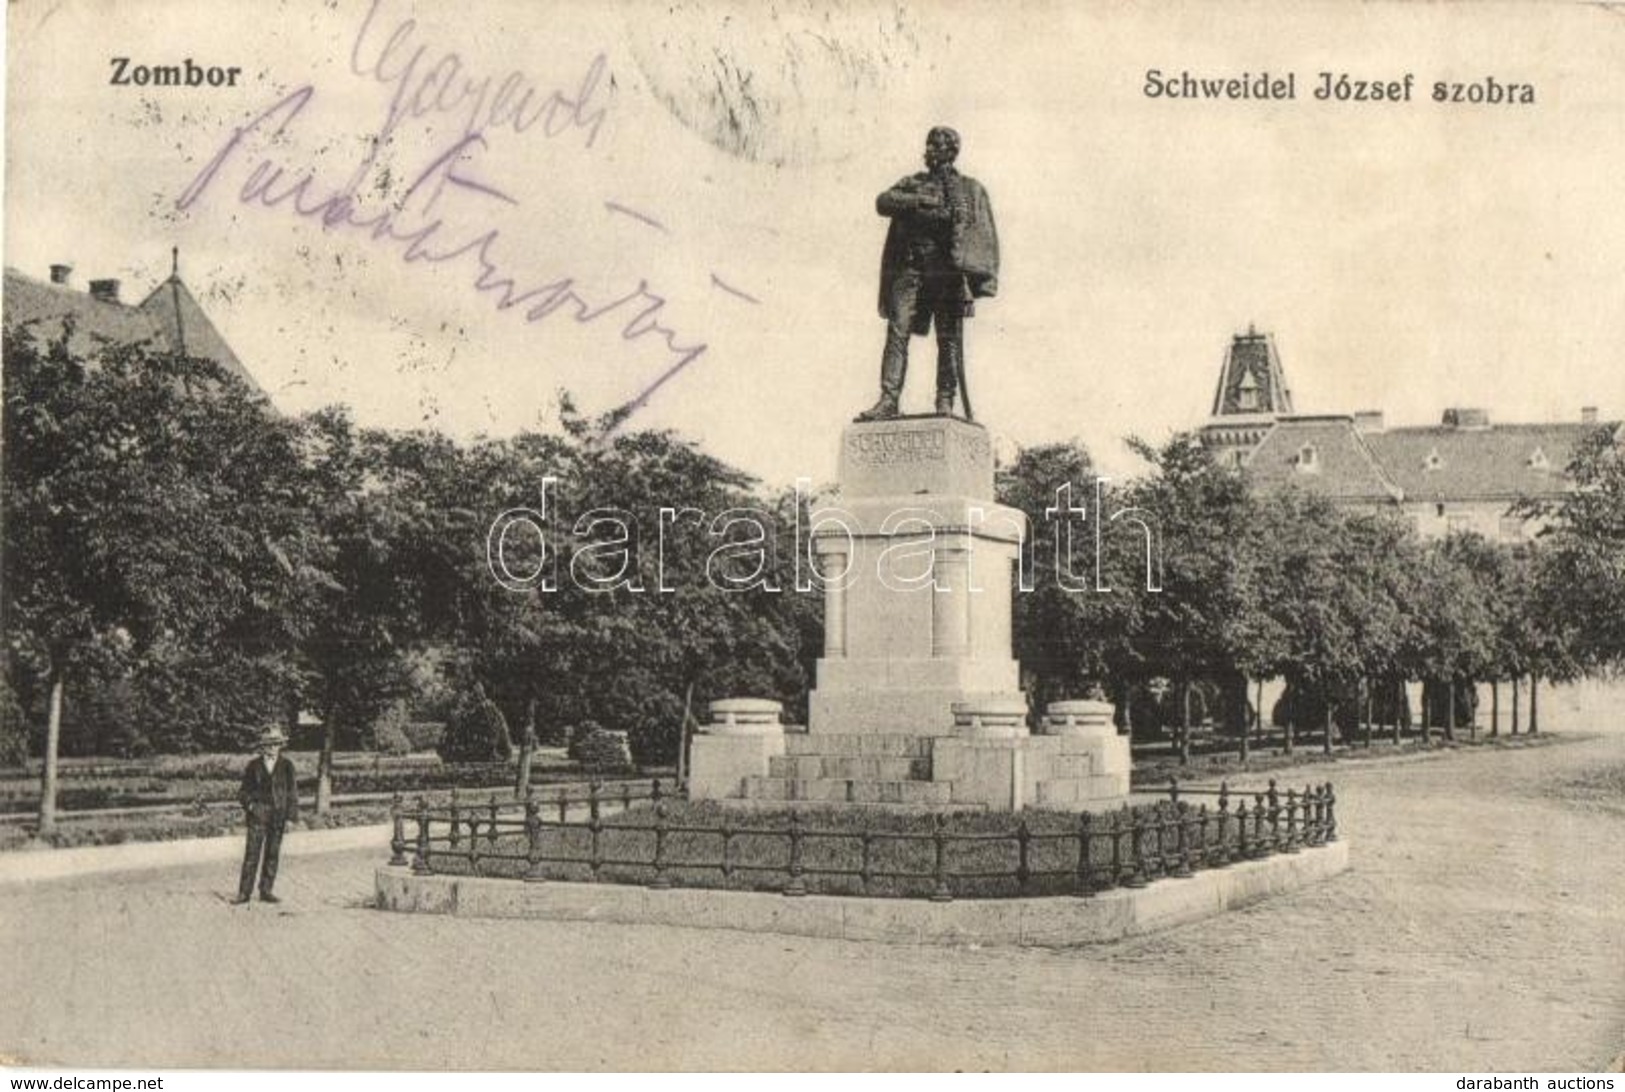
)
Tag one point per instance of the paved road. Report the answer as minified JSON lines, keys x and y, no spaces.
{"x":1482,"y":928}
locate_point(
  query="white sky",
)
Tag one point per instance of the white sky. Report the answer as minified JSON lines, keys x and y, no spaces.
{"x":1406,"y":256}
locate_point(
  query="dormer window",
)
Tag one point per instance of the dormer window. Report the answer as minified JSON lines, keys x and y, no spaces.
{"x":1538,"y":460}
{"x":1308,"y":460}
{"x":1247,"y":394}
{"x":1433,"y":461}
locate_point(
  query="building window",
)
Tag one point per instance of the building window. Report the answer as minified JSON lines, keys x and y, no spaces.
{"x":1247,"y":394}
{"x":1439,"y":510}
{"x":1538,"y":460}
{"x":1433,"y":462}
{"x":1308,"y":459}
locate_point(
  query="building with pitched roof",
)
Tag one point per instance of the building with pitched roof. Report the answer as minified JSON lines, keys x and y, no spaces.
{"x":168,"y":318}
{"x":1463,"y":474}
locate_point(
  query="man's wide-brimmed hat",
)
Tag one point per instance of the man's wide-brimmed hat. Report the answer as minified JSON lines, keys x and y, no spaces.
{"x":272,"y":735}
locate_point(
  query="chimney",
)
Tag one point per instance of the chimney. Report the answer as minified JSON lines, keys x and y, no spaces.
{"x":1588,"y":415}
{"x":1466,"y":418}
{"x":1368,"y":420}
{"x":105,"y":290}
{"x":60,"y":273}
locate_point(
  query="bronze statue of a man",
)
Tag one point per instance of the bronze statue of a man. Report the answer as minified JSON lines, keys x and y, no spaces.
{"x":942,"y":254}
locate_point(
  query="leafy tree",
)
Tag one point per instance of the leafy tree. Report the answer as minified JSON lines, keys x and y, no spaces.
{"x":1067,"y":634}
{"x":151,"y":512}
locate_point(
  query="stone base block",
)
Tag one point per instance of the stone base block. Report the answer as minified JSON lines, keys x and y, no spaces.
{"x":1049,"y":921}
{"x":719,"y":765}
{"x":924,"y":711}
{"x":846,"y":791}
{"x":1010,"y":773}
{"x":850,"y":767}
{"x":888,"y":744}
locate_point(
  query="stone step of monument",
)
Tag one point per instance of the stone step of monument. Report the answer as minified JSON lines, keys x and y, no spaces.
{"x":850,"y":767}
{"x":882,"y":744}
{"x":1065,"y":767}
{"x":838,"y":790}
{"x":1069,"y":791}
{"x":779,"y":805}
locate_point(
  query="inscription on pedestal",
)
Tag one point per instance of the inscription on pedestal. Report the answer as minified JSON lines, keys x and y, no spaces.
{"x":940,"y":455}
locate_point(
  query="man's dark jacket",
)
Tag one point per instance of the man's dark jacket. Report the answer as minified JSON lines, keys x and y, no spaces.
{"x":973,"y":240}
{"x":269,"y":796}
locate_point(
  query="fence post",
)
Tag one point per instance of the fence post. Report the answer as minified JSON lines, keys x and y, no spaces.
{"x":1119,"y":865}
{"x":626,"y":794}
{"x":797,"y":884}
{"x":727,"y":864}
{"x":594,"y":829}
{"x":564,"y":805}
{"x":1173,"y":788}
{"x":533,"y":838}
{"x":939,"y":836}
{"x":1136,"y":845}
{"x":1331,"y":813}
{"x":1206,"y":856}
{"x":661,"y":882}
{"x":1086,"y":823}
{"x":420,"y":861}
{"x":1182,"y":842}
{"x":1023,"y":869}
{"x":456,"y":818}
{"x":654,"y":790}
{"x":1275,"y":818}
{"x":1291,"y":821}
{"x":1224,"y":857}
{"x":1262,"y":845}
{"x":397,"y":840}
{"x":491,"y":834}
{"x":1241,"y":830}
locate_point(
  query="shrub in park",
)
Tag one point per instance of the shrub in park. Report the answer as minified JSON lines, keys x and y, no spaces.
{"x":602,"y":751}
{"x":476,"y":731}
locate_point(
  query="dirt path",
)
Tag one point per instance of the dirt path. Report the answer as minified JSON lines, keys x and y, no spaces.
{"x":1482,"y":928}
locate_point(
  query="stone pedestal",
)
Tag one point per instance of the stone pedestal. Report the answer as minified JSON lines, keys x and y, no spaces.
{"x":743,"y":735}
{"x":917,"y":702}
{"x":918,"y":563}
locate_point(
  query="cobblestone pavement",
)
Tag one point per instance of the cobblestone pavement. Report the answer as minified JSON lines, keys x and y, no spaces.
{"x":1481,"y":928}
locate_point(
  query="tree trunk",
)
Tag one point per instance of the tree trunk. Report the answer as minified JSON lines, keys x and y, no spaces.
{"x":1534,"y":703}
{"x":1246,"y":726}
{"x":324,"y":768}
{"x":1450,"y":711}
{"x":527,"y":751}
{"x":1365,"y":688}
{"x":1260,"y":714}
{"x":53,"y":738}
{"x":1326,"y":740}
{"x":1495,"y":708}
{"x":1402,"y":711}
{"x":682,"y":736}
{"x":1515,"y":682}
{"x":1185,"y":723}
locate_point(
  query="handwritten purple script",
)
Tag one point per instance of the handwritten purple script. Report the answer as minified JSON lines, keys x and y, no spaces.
{"x":440,"y":217}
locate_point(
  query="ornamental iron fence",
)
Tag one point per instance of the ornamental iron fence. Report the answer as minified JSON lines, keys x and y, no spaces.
{"x":643,"y":834}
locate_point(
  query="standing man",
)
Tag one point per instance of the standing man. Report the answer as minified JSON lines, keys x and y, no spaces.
{"x":270,"y":797}
{"x":942,"y":253}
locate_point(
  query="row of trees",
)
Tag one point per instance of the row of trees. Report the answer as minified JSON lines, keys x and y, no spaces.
{"x":1343,"y":604}
{"x":182,"y":563}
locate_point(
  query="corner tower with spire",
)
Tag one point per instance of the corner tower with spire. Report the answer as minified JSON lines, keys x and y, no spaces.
{"x":1251,"y":396}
